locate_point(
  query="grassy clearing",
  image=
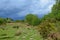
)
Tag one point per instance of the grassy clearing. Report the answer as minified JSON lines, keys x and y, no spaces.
{"x":24,"y":32}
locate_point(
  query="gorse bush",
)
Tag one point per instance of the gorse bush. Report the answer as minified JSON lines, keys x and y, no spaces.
{"x":2,"y":21}
{"x":51,"y":22}
{"x":9,"y":20}
{"x":46,"y":27}
{"x":32,"y":19}
{"x":5,"y":20}
{"x":19,"y":21}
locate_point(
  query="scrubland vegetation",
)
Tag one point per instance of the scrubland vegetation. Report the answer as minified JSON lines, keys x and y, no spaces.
{"x":32,"y":27}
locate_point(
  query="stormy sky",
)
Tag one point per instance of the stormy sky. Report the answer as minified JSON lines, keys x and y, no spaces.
{"x":17,"y":9}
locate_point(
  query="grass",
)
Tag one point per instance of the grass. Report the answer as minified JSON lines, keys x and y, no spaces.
{"x":24,"y":32}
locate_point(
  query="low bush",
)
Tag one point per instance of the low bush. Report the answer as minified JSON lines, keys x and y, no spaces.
{"x":2,"y":21}
{"x":46,"y":28}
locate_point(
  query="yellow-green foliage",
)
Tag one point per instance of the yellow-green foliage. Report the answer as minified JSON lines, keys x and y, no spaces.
{"x":46,"y":27}
{"x":8,"y":20}
{"x":2,"y":21}
{"x":32,"y":19}
{"x":5,"y":20}
{"x":51,"y":22}
{"x":19,"y":20}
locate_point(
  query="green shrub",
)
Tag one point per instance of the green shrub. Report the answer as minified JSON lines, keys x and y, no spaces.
{"x":9,"y":20}
{"x":2,"y":21}
{"x":46,"y":27}
{"x":19,"y":20}
{"x":32,"y":19}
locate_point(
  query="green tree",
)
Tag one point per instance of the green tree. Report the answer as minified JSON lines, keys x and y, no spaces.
{"x":51,"y":22}
{"x":32,"y":19}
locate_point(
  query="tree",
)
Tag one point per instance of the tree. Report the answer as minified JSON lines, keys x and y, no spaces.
{"x":56,"y":10}
{"x":32,"y":19}
{"x":51,"y":22}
